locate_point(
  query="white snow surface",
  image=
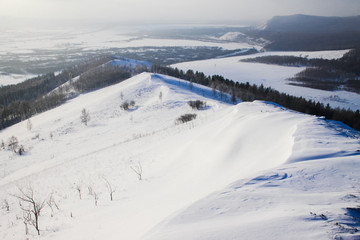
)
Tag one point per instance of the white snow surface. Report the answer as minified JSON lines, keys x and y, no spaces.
{"x":329,"y":54}
{"x":12,"y":79}
{"x":275,"y":76}
{"x":231,"y":36}
{"x":27,"y":41}
{"x":253,"y":170}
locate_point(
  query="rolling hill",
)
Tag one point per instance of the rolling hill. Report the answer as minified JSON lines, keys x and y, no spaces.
{"x":247,"y":170}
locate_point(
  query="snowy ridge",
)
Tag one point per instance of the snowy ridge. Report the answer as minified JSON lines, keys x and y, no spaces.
{"x":233,"y":170}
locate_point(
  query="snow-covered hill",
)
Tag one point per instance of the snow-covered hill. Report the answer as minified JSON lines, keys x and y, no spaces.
{"x":246,"y":171}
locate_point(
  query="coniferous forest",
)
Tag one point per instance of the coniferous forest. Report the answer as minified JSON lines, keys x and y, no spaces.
{"x":247,"y":92}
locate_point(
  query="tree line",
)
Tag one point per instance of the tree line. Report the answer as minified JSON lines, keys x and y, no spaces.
{"x":248,"y":92}
{"x":21,"y":101}
{"x":34,"y":88}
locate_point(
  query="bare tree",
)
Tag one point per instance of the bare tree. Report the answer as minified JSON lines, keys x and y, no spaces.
{"x":6,"y":205}
{"x":160,"y":96}
{"x":95,"y":194}
{"x":138,"y":170}
{"x":90,"y":190}
{"x":29,"y":125}
{"x":26,"y":221}
{"x":13,"y":143}
{"x":111,"y":190}
{"x":31,"y":207}
{"x":78,"y":188}
{"x":2,"y":145}
{"x":51,"y":203}
{"x":85,"y":116}
{"x":21,"y":150}
{"x":127,"y":105}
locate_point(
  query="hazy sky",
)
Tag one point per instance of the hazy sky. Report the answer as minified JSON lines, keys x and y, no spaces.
{"x":174,"y":10}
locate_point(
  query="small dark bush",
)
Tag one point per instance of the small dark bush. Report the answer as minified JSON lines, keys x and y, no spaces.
{"x":21,"y":150}
{"x":197,"y":104}
{"x":185,"y":118}
{"x":127,"y":105}
{"x":13,"y":144}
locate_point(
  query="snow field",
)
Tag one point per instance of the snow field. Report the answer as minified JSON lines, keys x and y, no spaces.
{"x":275,"y":76}
{"x":237,"y":170}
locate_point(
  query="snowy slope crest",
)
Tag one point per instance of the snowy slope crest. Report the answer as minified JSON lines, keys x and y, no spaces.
{"x":250,"y":170}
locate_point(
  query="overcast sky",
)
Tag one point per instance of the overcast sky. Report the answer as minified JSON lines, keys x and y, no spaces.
{"x":174,"y":10}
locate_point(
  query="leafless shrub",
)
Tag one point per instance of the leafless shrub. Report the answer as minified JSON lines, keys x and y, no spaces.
{"x":197,"y":104}
{"x":29,"y":125}
{"x":13,"y":144}
{"x":78,"y":188}
{"x":185,"y":118}
{"x":138,"y":170}
{"x":20,"y":150}
{"x":52,"y":203}
{"x":5,"y":205}
{"x":85,"y":116}
{"x":95,"y":194}
{"x":127,"y":105}
{"x":160,"y":96}
{"x":90,"y":190}
{"x":31,"y":207}
{"x":110,"y":189}
{"x":37,"y":136}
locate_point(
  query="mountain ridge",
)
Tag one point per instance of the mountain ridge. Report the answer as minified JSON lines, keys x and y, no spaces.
{"x":311,"y":33}
{"x":215,"y":159}
{"x":313,"y":24}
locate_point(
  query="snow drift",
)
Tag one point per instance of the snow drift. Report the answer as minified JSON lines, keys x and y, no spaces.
{"x":247,"y":171}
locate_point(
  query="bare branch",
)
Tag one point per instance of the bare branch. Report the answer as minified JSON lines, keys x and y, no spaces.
{"x":6,"y":205}
{"x":110,"y":189}
{"x":51,"y":202}
{"x":94,"y":194}
{"x":78,"y":188}
{"x":33,"y":208}
{"x":138,"y":170}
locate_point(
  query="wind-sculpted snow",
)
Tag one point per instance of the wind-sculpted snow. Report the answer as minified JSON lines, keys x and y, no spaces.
{"x":238,"y":171}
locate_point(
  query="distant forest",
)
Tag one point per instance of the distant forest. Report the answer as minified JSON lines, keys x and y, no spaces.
{"x":248,"y":92}
{"x":21,"y":101}
{"x":335,"y":74}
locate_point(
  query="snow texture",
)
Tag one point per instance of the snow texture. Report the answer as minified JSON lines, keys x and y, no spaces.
{"x":253,"y":170}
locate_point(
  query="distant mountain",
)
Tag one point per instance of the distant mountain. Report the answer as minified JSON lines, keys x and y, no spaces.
{"x":312,"y":24}
{"x":311,"y":33}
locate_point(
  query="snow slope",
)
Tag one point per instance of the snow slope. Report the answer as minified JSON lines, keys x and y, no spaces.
{"x":275,"y":76}
{"x":237,"y":171}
